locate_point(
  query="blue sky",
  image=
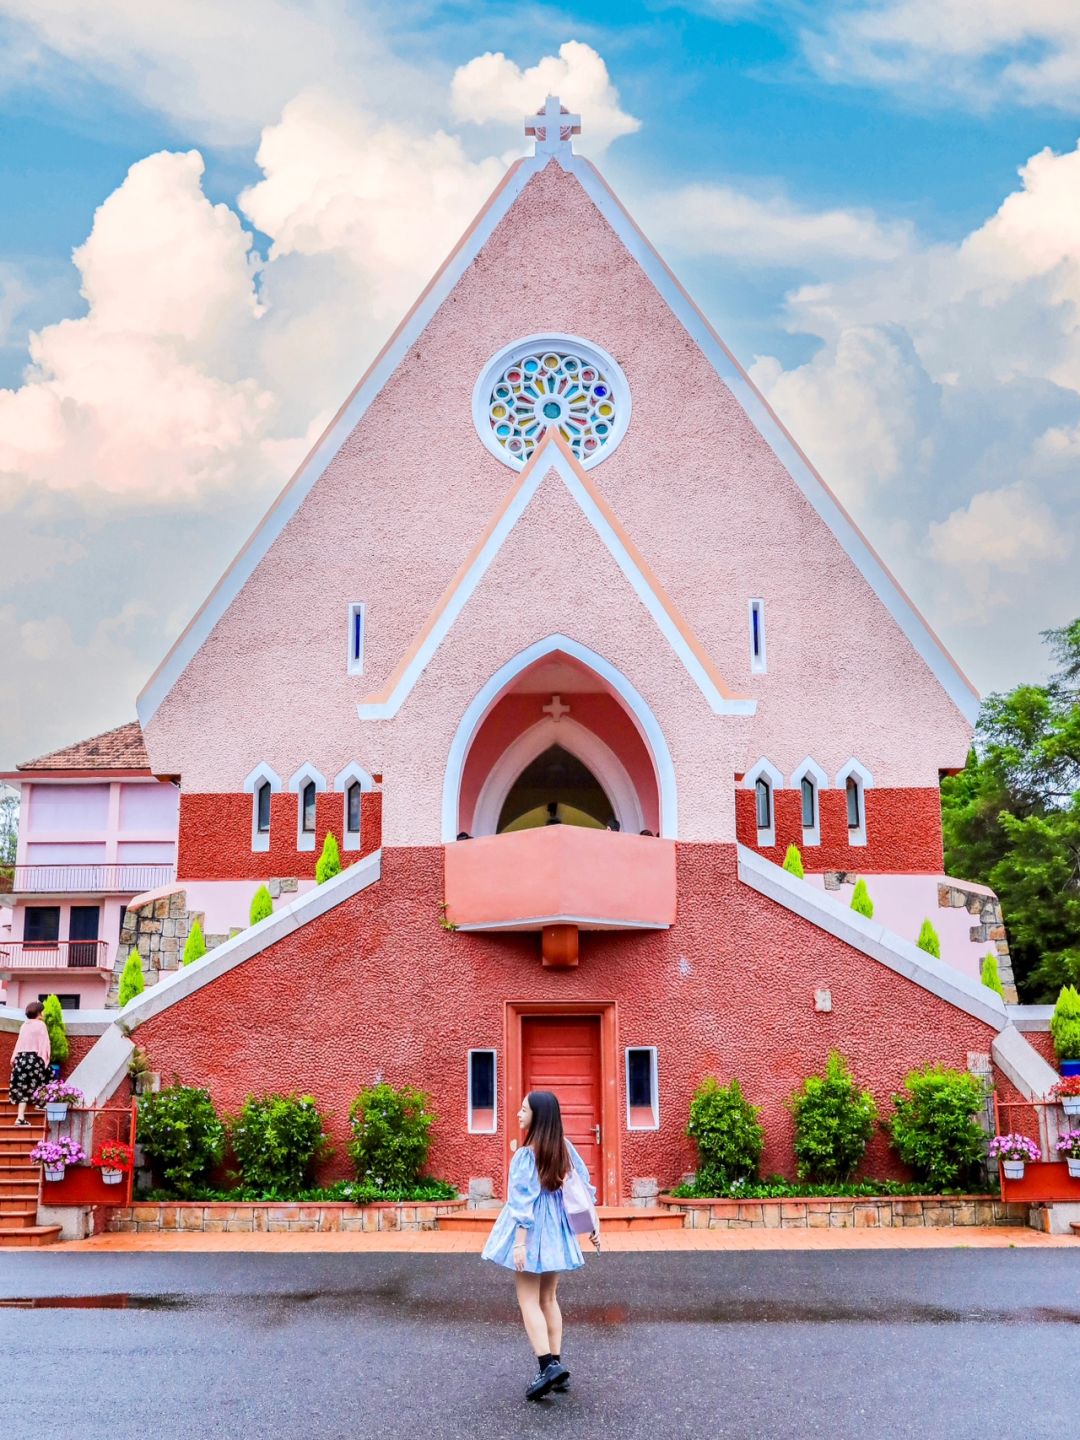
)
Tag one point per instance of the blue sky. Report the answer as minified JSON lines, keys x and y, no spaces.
{"x":837,"y":183}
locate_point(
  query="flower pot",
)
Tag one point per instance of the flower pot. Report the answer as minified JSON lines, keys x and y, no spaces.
{"x":54,"y":1172}
{"x":1069,"y":1067}
{"x":1013,"y":1169}
{"x":1071,"y":1104}
{"x":1074,"y":1166}
{"x":57,"y":1112}
{"x":111,"y":1177}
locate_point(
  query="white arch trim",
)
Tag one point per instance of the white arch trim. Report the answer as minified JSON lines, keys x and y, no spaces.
{"x":303,"y":775}
{"x":763,"y":770}
{"x":861,"y":773}
{"x":579,"y":741}
{"x":352,"y":772}
{"x":812,"y":769}
{"x":634,"y":702}
{"x":258,"y":775}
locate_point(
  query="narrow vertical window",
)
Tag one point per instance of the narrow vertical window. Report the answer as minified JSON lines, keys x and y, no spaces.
{"x":757,"y":636}
{"x":642,"y":1107}
{"x":854,"y":803}
{"x":307,"y":808}
{"x":262,"y":808}
{"x":763,"y":804}
{"x":356,"y":638}
{"x":809,"y":803}
{"x":352,"y":808}
{"x":482,"y":1109}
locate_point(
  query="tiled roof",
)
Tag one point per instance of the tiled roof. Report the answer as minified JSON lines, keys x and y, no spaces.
{"x":119,"y":749}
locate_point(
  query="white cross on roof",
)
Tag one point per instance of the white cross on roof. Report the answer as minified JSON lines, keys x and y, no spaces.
{"x":552,"y":128}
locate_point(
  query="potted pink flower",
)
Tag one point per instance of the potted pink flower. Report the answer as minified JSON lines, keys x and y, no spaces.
{"x":57,"y":1155}
{"x":1069,"y":1146}
{"x":55,"y":1096}
{"x":1014,"y":1151}
{"x":1067,"y":1093}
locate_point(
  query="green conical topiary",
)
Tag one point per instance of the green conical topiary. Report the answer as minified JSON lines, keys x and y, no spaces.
{"x":329,"y":862}
{"x":52,"y":1013}
{"x":988,"y":974}
{"x":928,"y":940}
{"x":262,"y":905}
{"x":860,"y":900}
{"x":194,"y":945}
{"x":793,"y":862}
{"x":1065,"y":1024}
{"x":131,"y":977}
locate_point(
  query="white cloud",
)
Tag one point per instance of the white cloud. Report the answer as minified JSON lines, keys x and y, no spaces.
{"x":494,"y":88}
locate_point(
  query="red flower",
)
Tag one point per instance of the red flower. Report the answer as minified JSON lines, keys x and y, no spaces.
{"x":1069,"y":1085}
{"x":113,"y":1155}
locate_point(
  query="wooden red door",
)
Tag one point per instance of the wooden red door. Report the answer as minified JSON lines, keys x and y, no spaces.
{"x":562,"y":1054}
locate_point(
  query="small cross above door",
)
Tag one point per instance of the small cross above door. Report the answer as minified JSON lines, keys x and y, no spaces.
{"x":556,"y":709}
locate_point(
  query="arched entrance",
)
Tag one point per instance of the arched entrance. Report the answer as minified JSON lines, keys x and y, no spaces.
{"x":556,"y":789}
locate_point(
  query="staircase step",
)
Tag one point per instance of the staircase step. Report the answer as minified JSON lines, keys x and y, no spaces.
{"x":12,"y":1235}
{"x":14,"y":1203}
{"x":18,"y":1219}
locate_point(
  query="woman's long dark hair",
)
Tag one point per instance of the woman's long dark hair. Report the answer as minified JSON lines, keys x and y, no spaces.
{"x":547,"y":1139}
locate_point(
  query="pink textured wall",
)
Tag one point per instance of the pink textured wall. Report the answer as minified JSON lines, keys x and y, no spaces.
{"x":730,"y":991}
{"x":694,"y":485}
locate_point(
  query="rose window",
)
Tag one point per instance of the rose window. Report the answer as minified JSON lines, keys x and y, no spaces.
{"x":546,"y":388}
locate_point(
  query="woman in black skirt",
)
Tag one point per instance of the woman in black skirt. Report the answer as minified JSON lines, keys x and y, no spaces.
{"x":30,"y":1060}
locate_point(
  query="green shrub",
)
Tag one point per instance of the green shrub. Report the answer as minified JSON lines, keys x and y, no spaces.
{"x":928,"y":940}
{"x":391,"y":1135}
{"x":934,"y":1129}
{"x":729,"y":1138}
{"x":52,"y":1013}
{"x":262,"y":905}
{"x":834,"y":1120}
{"x":131,"y":977}
{"x":1064,"y":1024}
{"x":277,"y":1140}
{"x":988,"y":974}
{"x":793,"y":862}
{"x":860,"y":900}
{"x":194,"y":945}
{"x":181,"y":1135}
{"x":329,"y":862}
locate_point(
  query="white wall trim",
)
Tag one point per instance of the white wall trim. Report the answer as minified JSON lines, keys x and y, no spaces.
{"x":343,"y":781}
{"x":307,"y":774}
{"x":1022,"y":1065}
{"x":102,"y":1069}
{"x":764,"y":770}
{"x":817,"y":906}
{"x":258,"y":775}
{"x":344,"y":778}
{"x":853,"y":767}
{"x":260,"y":839}
{"x":354,"y":664}
{"x":853,"y":770}
{"x":300,"y":778}
{"x":642,"y":716}
{"x":586,"y":745}
{"x":759,"y":664}
{"x":1031,"y":1018}
{"x":810,"y":769}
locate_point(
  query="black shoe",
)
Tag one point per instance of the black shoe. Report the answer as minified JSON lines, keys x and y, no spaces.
{"x":561,"y":1386}
{"x":552,"y":1374}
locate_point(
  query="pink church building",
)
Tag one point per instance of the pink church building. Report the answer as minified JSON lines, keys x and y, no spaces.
{"x":562,"y":636}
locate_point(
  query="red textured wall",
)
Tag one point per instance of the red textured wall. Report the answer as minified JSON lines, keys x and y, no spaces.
{"x":215,"y":836}
{"x":903,"y":831}
{"x":1043,"y":1042}
{"x":728,"y":990}
{"x":79,"y":1045}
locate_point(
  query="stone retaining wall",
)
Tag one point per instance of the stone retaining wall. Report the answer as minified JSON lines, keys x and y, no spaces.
{"x":247,"y":1217}
{"x":845,"y":1214}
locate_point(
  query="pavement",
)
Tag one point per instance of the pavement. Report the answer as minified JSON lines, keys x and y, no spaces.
{"x":700,"y":1344}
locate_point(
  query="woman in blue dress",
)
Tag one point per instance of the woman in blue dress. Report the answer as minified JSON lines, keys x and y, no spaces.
{"x":532,"y":1236}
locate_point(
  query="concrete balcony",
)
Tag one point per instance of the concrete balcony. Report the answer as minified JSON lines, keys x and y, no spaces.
{"x":63,"y":880}
{"x":561,"y":875}
{"x":46,"y":956}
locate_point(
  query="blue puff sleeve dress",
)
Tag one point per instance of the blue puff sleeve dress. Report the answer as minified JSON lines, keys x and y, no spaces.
{"x":550,"y":1244}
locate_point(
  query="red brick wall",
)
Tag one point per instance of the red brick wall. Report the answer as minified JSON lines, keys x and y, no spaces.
{"x":375,"y":987}
{"x":215,"y":835}
{"x":903,"y":831}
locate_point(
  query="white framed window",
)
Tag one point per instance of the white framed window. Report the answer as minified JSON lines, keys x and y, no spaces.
{"x":352,"y":784}
{"x":307,"y":784}
{"x":261,"y":784}
{"x":756,"y":615}
{"x":764,"y":780}
{"x":642,"y":1090}
{"x":763,"y":803}
{"x":483,"y":1104}
{"x":356,"y":638}
{"x":810,"y":780}
{"x":854,"y":779}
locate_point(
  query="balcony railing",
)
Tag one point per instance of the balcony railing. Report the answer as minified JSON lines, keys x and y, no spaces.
{"x":55,"y":955}
{"x":90,"y":879}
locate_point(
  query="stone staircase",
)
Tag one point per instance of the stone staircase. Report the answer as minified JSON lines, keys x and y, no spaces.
{"x":614,"y":1220}
{"x":20,"y":1180}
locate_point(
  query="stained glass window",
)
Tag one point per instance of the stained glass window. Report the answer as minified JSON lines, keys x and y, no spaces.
{"x":552,"y":388}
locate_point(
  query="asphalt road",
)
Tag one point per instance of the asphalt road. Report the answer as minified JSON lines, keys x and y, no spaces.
{"x":969,"y":1345}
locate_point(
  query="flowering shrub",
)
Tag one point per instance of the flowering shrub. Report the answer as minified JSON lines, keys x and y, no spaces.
{"x":58,"y":1154}
{"x":58,"y":1092}
{"x":1069,"y":1145}
{"x":113,"y":1155}
{"x":1014,"y":1147}
{"x":1066,"y":1088}
{"x":391,"y":1136}
{"x":276,"y":1140}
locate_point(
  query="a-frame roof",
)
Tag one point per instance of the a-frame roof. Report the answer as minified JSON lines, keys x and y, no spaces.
{"x":824,"y":502}
{"x":119,"y":749}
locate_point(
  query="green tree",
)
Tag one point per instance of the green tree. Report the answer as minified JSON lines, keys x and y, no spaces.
{"x":834,"y":1121}
{"x":195,"y":944}
{"x":728,"y":1135}
{"x":988,"y":974}
{"x":934,"y":1129}
{"x":329,"y":862}
{"x":860,"y":899}
{"x":9,"y":826}
{"x":131,"y":977}
{"x":52,"y":1012}
{"x":262,"y":905}
{"x":928,"y":940}
{"x":1065,"y":1024}
{"x":793,"y":862}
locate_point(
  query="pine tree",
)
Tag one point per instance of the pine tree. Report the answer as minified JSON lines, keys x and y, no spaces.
{"x":860,"y":900}
{"x":131,"y":977}
{"x":793,"y":862}
{"x":329,"y":862}
{"x":988,"y":974}
{"x":194,"y":945}
{"x":928,"y":940}
{"x":52,"y":1013}
{"x":262,"y":905}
